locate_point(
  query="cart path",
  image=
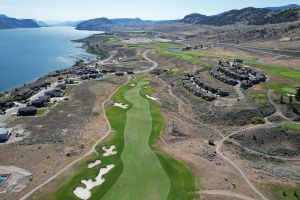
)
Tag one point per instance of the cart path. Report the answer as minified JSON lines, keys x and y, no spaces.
{"x":278,"y":111}
{"x":154,"y":63}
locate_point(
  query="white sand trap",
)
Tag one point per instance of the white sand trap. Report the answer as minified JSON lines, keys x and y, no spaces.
{"x":109,"y":152}
{"x":94,"y":164}
{"x":152,"y":98}
{"x":132,"y":85}
{"x":85,"y":193}
{"x":121,"y":105}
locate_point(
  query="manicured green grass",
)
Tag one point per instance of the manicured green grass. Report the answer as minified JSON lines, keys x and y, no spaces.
{"x":292,"y":126}
{"x":143,"y":176}
{"x":282,"y":89}
{"x":194,"y":56}
{"x":282,"y":192}
{"x":142,"y":170}
{"x":183,"y":184}
{"x":180,"y":56}
{"x":289,"y":74}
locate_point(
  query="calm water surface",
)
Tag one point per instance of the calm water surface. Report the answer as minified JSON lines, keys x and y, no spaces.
{"x":27,"y":54}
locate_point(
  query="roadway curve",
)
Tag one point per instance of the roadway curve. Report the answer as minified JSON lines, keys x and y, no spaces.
{"x":145,"y":56}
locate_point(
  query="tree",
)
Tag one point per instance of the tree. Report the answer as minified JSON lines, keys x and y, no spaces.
{"x":290,"y":99}
{"x":281,"y":99}
{"x":298,"y":94}
{"x":284,"y":193}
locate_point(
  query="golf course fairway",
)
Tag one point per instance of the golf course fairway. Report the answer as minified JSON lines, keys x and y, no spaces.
{"x":142,"y":170}
{"x":143,"y":177}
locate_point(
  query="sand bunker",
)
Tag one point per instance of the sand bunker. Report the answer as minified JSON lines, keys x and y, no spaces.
{"x":132,"y":85}
{"x":152,"y":98}
{"x":85,"y":193}
{"x":109,"y":152}
{"x":121,"y":105}
{"x":94,"y":164}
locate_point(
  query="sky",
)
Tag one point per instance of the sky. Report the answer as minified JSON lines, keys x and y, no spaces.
{"x":64,"y":10}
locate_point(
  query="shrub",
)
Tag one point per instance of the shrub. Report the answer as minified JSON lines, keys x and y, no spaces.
{"x":257,"y":120}
{"x":95,"y":114}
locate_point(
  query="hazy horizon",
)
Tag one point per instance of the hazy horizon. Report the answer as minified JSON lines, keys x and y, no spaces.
{"x":155,"y":10}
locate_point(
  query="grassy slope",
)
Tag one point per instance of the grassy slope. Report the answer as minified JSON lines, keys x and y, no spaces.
{"x":292,"y":126}
{"x":143,"y":176}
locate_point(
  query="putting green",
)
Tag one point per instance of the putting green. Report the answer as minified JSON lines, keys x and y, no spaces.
{"x":143,"y":177}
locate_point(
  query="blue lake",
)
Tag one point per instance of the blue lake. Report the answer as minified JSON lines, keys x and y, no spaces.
{"x":27,"y":54}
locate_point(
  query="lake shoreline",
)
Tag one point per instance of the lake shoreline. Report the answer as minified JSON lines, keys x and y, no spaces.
{"x":39,"y":52}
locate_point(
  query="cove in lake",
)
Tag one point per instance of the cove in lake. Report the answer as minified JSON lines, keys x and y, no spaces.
{"x":27,"y":54}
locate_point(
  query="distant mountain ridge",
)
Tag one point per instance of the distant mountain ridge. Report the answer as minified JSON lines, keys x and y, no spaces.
{"x":10,"y":23}
{"x":105,"y":24}
{"x":283,"y":7}
{"x":248,"y":16}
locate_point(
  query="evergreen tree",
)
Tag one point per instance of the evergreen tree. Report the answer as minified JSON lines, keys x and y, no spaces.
{"x":298,"y":94}
{"x":281,"y":99}
{"x":290,"y":99}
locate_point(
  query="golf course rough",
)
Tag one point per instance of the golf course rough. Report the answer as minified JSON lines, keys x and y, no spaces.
{"x":142,"y":170}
